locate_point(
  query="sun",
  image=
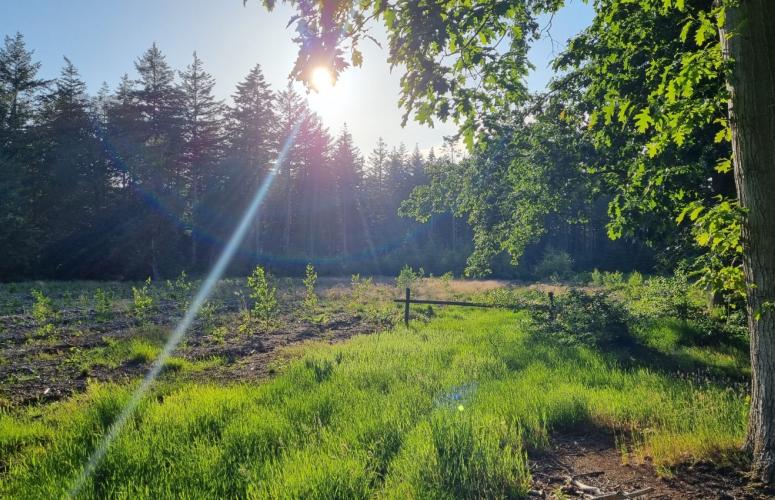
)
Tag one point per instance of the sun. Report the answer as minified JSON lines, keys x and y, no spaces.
{"x":322,"y":80}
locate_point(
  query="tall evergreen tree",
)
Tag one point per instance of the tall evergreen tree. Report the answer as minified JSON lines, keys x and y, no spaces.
{"x":19,"y":163}
{"x":75,"y":177}
{"x":348,"y":172}
{"x":157,"y":129}
{"x":202,"y":137}
{"x":252,"y":145}
{"x":290,"y":109}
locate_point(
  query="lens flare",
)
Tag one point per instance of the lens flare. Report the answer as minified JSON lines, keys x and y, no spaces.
{"x":196,"y":304}
{"x":322,"y":79}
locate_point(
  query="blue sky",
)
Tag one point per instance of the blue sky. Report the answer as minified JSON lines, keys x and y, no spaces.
{"x":103,"y":38}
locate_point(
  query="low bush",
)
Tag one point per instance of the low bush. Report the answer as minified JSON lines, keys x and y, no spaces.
{"x":554,"y":265}
{"x":142,"y":301}
{"x":587,"y":318}
{"x":264,"y":296}
{"x":409,"y":278}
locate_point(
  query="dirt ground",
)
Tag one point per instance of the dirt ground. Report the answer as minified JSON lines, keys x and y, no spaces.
{"x":40,"y":367}
{"x":588,"y":464}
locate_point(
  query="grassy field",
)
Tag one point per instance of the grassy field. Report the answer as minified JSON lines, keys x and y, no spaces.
{"x":448,"y":408}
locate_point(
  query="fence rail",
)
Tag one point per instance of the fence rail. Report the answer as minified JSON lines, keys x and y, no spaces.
{"x":407,"y":300}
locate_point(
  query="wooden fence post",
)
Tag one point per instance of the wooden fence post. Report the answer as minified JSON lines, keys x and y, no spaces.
{"x":406,"y":307}
{"x":551,"y":306}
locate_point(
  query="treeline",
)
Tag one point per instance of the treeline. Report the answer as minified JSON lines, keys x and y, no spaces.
{"x":152,"y":177}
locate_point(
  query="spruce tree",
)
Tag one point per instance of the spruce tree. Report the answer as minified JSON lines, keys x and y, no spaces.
{"x":202,"y":139}
{"x":252,"y":147}
{"x":158,"y":108}
{"x":20,"y":159}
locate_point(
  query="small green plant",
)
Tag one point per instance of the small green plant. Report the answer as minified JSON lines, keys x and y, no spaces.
{"x":613,"y":280}
{"x":42,"y":308}
{"x":264,"y":296}
{"x":207,"y":316}
{"x":310,"y":297}
{"x":408,"y":277}
{"x":142,"y":301}
{"x":596,"y":277}
{"x":219,"y":334}
{"x":103,"y":304}
{"x":635,"y":280}
{"x":180,"y":290}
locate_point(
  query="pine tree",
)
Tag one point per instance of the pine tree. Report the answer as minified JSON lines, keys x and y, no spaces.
{"x":19,"y":85}
{"x":201,"y":129}
{"x":348,"y":171}
{"x":157,"y":104}
{"x":314,"y":187}
{"x":290,"y":109}
{"x":20,"y":161}
{"x":74,"y":181}
{"x":252,"y":146}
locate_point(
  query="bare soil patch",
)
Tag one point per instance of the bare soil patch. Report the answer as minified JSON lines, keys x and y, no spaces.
{"x":579,"y":459}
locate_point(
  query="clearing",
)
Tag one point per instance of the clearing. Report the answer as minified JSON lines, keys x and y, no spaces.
{"x":629,"y":387}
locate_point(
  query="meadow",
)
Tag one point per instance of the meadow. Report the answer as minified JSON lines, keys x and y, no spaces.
{"x":462,"y":404}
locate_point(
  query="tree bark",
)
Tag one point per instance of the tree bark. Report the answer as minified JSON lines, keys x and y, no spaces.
{"x":748,"y":40}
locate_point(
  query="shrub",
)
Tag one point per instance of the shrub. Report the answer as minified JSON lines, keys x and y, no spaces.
{"x":635,"y":280}
{"x":554,"y":265}
{"x":613,"y":279}
{"x":103,"y":304}
{"x":264,"y":296}
{"x":588,"y":318}
{"x":142,"y":301}
{"x":596,"y":277}
{"x":207,"y":316}
{"x":408,"y":277}
{"x":310,"y":298}
{"x":42,"y":308}
{"x":180,"y":290}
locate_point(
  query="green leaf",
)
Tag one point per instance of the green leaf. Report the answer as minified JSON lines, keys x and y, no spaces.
{"x":724,"y":166}
{"x":685,"y":30}
{"x":643,"y":120}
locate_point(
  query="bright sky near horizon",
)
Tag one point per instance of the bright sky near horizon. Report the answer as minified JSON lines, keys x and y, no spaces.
{"x":103,"y":39}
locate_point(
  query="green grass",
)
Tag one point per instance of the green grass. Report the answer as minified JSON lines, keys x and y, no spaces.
{"x":447,"y":409}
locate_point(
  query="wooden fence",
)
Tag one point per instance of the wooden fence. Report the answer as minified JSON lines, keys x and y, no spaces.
{"x":407,"y":300}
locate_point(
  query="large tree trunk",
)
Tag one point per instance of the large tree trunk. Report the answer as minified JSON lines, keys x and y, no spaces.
{"x":752,"y":117}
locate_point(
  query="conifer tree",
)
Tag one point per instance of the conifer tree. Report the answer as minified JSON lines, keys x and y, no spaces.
{"x":252,"y":145}
{"x":157,"y":130}
{"x":19,"y":163}
{"x":202,"y":139}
